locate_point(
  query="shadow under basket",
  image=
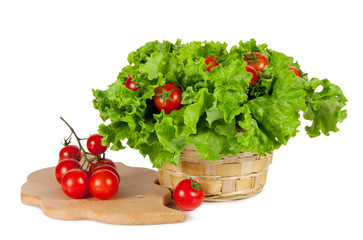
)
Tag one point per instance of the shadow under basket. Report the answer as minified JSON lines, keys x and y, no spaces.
{"x":233,"y":177}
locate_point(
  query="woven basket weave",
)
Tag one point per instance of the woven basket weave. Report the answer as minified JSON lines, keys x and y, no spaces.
{"x":233,"y":177}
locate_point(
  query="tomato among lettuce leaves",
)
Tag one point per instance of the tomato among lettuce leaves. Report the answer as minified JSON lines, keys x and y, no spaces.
{"x":168,"y":97}
{"x":130,"y":84}
{"x":257,"y":60}
{"x":211,"y":62}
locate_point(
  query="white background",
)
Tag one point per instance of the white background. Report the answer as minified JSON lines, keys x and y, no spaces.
{"x":52,"y":53}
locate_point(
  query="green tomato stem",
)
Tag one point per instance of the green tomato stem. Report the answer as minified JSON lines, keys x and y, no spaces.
{"x":195,"y":185}
{"x":81,"y":149}
{"x":165,"y":95}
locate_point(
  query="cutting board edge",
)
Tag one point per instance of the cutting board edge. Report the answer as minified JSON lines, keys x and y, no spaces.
{"x":91,"y":214}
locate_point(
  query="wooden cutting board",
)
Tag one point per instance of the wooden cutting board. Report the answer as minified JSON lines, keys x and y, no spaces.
{"x":139,"y":200}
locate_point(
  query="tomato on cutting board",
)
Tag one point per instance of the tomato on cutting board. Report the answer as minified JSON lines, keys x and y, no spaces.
{"x":108,"y":167}
{"x":103,"y":184}
{"x":97,"y":163}
{"x":64,"y":166}
{"x":70,"y":151}
{"x":94,"y":144}
{"x":75,"y":183}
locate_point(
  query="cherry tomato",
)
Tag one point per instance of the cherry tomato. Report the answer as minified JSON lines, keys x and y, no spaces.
{"x":254,"y":74}
{"x":131,"y":84}
{"x":168,"y":97}
{"x":64,"y":166}
{"x":188,"y":194}
{"x":109,"y":162}
{"x":212,"y":61}
{"x":70,"y":151}
{"x":103,"y":184}
{"x":257,"y":60}
{"x":96,"y":163}
{"x":296,"y":71}
{"x":108,"y":167}
{"x":94,"y":144}
{"x":75,"y":183}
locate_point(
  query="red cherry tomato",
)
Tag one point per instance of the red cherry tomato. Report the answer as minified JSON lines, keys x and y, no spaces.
{"x":96,"y":163}
{"x":94,"y":144}
{"x":109,"y":162}
{"x":168,"y":97}
{"x":103,"y":184}
{"x":254,"y":74}
{"x":108,"y":167}
{"x":70,"y":151}
{"x":75,"y":183}
{"x":64,"y":166}
{"x":212,"y":61}
{"x":131,"y":84}
{"x":296,"y":71}
{"x":257,"y":60}
{"x":188,"y":195}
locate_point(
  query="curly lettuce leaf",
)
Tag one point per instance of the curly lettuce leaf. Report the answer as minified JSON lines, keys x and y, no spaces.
{"x":324,"y":107}
{"x":159,"y":155}
{"x":166,"y":132}
{"x":141,"y":54}
{"x":231,"y":88}
{"x":196,"y":50}
{"x":208,"y":144}
{"x":202,"y":100}
{"x":195,"y":74}
{"x":250,"y":137}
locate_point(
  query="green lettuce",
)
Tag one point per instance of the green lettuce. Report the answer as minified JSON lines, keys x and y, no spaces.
{"x":221,"y":112}
{"x":323,"y":108}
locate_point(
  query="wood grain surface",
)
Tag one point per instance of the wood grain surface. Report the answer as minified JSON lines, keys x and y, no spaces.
{"x":139,"y":200}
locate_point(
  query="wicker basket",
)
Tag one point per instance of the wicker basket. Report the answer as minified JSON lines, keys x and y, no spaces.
{"x":232,"y":177}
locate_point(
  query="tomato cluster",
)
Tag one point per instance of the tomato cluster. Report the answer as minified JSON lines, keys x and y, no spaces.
{"x":100,"y":177}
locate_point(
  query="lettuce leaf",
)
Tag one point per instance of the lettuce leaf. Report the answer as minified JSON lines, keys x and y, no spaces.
{"x":231,"y":88}
{"x":324,"y":107}
{"x":250,"y":137}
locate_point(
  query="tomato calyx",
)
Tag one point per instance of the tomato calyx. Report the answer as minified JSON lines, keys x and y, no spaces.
{"x":165,"y":95}
{"x":67,"y":141}
{"x":253,"y":58}
{"x":195,"y":185}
